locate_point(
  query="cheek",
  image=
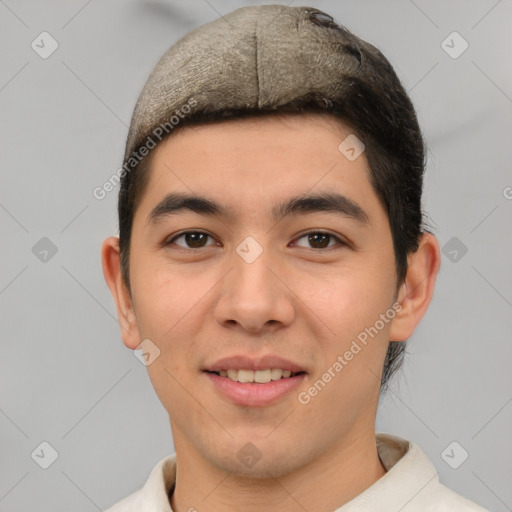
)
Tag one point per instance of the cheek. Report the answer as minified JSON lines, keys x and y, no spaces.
{"x":172,"y":307}
{"x":169,"y":315}
{"x":351,"y":305}
{"x":162,"y":297}
{"x":348,"y":300}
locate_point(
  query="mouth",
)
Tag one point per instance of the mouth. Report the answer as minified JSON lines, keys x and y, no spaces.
{"x":254,"y":380}
{"x":256,"y":376}
{"x":254,"y":388}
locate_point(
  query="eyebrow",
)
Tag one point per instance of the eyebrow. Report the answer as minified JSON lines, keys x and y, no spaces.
{"x":174,"y":203}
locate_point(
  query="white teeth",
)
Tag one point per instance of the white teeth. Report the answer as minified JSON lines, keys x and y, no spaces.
{"x":262,"y":376}
{"x":259,"y":376}
{"x":276,"y":373}
{"x":245,"y":376}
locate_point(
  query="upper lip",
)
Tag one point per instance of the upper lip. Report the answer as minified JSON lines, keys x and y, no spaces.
{"x":243,"y":362}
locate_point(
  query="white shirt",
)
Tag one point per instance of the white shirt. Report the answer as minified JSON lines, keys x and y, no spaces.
{"x":411,"y":484}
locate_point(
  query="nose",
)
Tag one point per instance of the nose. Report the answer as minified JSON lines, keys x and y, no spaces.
{"x":254,"y":296}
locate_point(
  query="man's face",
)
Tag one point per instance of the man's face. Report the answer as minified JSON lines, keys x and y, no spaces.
{"x":246,"y":281}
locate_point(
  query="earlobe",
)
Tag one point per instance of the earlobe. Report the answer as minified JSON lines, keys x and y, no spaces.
{"x":111,"y":263}
{"x":417,"y":290}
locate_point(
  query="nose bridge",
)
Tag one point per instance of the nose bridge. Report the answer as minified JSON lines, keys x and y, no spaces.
{"x":251,"y":295}
{"x":253,"y":277}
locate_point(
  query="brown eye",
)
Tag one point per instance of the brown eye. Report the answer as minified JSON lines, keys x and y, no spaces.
{"x":319,"y":240}
{"x":191,"y":240}
{"x":195,"y":239}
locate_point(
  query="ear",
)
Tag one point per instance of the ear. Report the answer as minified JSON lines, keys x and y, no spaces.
{"x":418,"y":287}
{"x":111,"y":262}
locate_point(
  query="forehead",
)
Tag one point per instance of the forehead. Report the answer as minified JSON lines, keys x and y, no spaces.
{"x":251,"y":162}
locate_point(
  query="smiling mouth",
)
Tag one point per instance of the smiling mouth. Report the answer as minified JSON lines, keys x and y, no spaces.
{"x":256,"y":376}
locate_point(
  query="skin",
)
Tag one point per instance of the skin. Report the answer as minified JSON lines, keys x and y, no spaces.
{"x":295,"y":300}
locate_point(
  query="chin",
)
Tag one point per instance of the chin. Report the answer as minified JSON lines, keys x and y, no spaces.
{"x":249,"y":462}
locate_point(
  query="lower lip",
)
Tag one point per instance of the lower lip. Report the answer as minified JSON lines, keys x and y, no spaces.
{"x":255,"y":395}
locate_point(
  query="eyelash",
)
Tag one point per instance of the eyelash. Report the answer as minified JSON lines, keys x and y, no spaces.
{"x":315,"y":232}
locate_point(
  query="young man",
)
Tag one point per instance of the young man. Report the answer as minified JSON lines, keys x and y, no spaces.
{"x":271,"y":265}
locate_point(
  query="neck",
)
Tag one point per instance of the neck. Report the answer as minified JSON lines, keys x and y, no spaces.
{"x":325,"y":484}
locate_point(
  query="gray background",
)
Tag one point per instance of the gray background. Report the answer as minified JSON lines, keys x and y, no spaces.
{"x":65,"y":376}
